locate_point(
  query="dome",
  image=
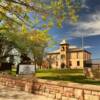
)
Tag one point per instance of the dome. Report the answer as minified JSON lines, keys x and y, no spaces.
{"x":63,"y":42}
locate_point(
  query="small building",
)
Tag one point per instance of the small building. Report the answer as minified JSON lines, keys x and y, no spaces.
{"x":66,"y":57}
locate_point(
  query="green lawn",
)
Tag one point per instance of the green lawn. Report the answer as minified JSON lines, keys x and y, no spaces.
{"x":73,"y":75}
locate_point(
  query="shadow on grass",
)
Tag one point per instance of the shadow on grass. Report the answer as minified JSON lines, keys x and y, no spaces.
{"x":60,"y":71}
{"x":72,"y":78}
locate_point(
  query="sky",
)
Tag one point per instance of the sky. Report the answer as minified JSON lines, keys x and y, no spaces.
{"x":88,"y":25}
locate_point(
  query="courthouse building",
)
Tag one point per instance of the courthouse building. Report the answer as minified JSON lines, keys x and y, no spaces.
{"x":67,"y":57}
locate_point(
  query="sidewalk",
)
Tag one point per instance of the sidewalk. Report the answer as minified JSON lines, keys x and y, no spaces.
{"x":7,"y":93}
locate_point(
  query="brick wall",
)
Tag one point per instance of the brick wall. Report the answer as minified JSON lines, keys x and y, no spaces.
{"x":55,"y":90}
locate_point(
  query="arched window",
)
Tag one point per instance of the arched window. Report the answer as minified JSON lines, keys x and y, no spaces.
{"x":62,"y":49}
{"x":62,"y":57}
{"x":62,"y":65}
{"x":78,"y":63}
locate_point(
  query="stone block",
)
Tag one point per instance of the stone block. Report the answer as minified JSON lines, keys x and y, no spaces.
{"x":47,"y":90}
{"x":95,"y":93}
{"x":37,"y":92}
{"x":78,"y":93}
{"x":40,"y":92}
{"x":87,"y":92}
{"x":68,"y":94}
{"x":66,"y":89}
{"x":36,"y":86}
{"x":72,"y":99}
{"x":64,"y":98}
{"x":28,"y":87}
{"x":91,"y":97}
{"x":51,"y":96}
{"x":58,"y":95}
{"x":45,"y":94}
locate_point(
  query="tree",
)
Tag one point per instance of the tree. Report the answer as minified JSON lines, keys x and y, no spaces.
{"x":5,"y":47}
{"x":16,"y":12}
{"x":25,"y":42}
{"x":16,"y":24}
{"x":39,"y":41}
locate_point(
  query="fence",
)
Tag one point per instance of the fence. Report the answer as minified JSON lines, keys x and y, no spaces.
{"x":95,"y":65}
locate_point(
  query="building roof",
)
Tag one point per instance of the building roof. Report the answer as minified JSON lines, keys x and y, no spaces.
{"x":78,"y":50}
{"x":75,"y":49}
{"x":70,"y":50}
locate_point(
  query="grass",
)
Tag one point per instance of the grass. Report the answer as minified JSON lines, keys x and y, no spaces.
{"x":73,"y":75}
{"x":67,"y":75}
{"x":13,"y":71}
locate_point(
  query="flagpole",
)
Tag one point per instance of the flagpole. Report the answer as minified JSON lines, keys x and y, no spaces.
{"x":82,"y":42}
{"x":82,"y":39}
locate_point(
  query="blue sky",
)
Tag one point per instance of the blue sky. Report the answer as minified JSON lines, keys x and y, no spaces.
{"x":88,"y":25}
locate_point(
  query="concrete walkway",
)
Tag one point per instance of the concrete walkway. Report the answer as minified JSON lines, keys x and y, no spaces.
{"x":7,"y":93}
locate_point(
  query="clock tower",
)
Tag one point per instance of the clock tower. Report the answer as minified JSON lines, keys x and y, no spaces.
{"x":64,"y":54}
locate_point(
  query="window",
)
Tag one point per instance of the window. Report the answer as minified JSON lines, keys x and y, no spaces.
{"x":70,"y":63}
{"x":56,"y":57}
{"x":56,"y":63}
{"x":62,"y":65}
{"x":62,"y":49}
{"x":62,"y":57}
{"x":49,"y":56}
{"x":78,"y":63}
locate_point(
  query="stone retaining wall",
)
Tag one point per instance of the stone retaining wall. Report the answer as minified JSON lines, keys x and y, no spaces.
{"x":55,"y":90}
{"x":67,"y":91}
{"x":20,"y":83}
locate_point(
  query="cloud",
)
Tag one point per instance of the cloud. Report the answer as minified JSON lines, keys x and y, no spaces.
{"x":70,"y":38}
{"x":88,"y":47}
{"x":91,"y":27}
{"x":83,"y":2}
